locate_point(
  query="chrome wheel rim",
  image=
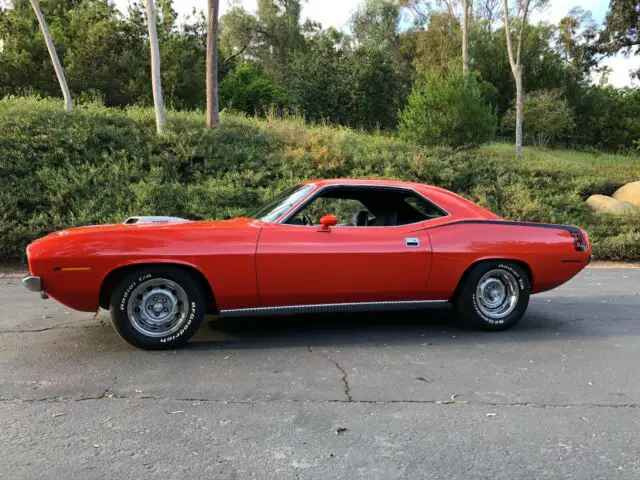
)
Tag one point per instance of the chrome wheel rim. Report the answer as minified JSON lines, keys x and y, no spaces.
{"x":158,"y":307}
{"x":497,"y":294}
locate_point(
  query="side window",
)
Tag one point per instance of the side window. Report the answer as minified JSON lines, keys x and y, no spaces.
{"x":368,"y":206}
{"x":345,"y":209}
{"x":427,"y":209}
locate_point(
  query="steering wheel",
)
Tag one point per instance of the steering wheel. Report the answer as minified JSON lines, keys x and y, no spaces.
{"x":306,"y":219}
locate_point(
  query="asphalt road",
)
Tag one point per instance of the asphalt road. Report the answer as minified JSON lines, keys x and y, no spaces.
{"x":558,"y":396}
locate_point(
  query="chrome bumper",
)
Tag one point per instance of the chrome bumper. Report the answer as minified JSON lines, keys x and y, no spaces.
{"x":32,"y":283}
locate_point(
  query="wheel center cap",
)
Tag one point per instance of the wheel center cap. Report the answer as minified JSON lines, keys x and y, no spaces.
{"x":157,"y":307}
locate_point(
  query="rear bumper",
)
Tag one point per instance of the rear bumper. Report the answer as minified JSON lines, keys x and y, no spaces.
{"x":32,"y":283}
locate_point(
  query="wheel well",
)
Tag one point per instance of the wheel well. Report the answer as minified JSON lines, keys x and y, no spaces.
{"x":464,"y":276}
{"x":115,"y":276}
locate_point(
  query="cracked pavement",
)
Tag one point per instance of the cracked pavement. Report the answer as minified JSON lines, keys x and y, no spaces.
{"x":558,"y":396}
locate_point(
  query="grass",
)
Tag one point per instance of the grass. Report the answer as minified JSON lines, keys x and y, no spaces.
{"x":98,"y":165}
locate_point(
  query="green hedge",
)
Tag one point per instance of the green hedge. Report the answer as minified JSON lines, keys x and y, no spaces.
{"x":99,"y":165}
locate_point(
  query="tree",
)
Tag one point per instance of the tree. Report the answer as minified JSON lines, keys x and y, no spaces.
{"x":156,"y":82}
{"x":523,"y":8}
{"x":54,"y":56}
{"x":489,"y":11}
{"x":213,"y":115}
{"x":246,"y":90}
{"x":577,"y":32}
{"x":466,"y":7}
{"x":443,"y":111}
{"x":622,"y":29}
{"x":546,"y":114}
{"x":438,"y":44}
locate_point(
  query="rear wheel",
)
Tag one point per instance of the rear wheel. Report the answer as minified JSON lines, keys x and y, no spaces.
{"x":157,"y":307}
{"x":494,"y":295}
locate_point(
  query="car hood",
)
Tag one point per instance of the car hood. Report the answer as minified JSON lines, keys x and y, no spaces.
{"x":160,"y":227}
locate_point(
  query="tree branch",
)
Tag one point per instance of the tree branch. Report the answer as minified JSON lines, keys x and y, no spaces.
{"x":239,"y":52}
{"x":522,"y":26}
{"x":507,"y":32}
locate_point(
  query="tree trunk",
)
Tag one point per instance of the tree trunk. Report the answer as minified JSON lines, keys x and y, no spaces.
{"x":519,"y":101}
{"x":465,"y":38}
{"x":156,"y":81}
{"x":213,"y":115}
{"x":66,"y":94}
{"x":516,"y":66}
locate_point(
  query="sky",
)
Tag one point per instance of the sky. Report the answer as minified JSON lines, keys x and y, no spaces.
{"x":336,"y":13}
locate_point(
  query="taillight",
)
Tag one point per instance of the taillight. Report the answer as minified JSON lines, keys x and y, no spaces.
{"x":579,"y":241}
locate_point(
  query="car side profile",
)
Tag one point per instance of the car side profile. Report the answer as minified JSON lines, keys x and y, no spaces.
{"x":321,"y":246}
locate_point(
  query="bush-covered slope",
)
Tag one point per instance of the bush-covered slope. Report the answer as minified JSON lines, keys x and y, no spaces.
{"x":99,"y":165}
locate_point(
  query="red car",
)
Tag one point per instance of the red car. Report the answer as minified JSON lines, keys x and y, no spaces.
{"x":321,"y":246}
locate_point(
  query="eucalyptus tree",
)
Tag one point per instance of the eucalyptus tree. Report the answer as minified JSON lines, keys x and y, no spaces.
{"x":54,"y":56}
{"x":521,"y":15}
{"x":213,"y":114}
{"x":156,"y":82}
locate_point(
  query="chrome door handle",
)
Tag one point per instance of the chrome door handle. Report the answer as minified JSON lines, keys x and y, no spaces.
{"x":411,"y":242}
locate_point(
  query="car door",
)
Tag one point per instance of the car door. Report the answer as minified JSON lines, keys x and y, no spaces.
{"x":303,"y":265}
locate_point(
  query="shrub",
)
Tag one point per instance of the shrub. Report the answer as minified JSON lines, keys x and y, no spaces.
{"x":545,"y":115}
{"x":101,"y":165}
{"x":246,"y":90}
{"x":443,"y":111}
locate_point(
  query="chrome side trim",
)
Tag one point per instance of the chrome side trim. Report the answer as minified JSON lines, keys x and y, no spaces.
{"x":314,"y":193}
{"x":332,"y":307}
{"x":32,"y":283}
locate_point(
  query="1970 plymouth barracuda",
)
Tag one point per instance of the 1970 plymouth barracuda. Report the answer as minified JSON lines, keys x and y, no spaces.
{"x":322,"y":246}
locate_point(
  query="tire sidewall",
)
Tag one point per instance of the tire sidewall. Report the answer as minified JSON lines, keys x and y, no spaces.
{"x":468,"y":295}
{"x":121,"y":296}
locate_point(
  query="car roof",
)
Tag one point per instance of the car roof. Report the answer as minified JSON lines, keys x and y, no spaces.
{"x":449,"y":201}
{"x":365,"y":181}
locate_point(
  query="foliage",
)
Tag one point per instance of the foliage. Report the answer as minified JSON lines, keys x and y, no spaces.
{"x":622,"y":28}
{"x":246,"y":90}
{"x":100,"y":165}
{"x":359,"y":78}
{"x":546,"y":114}
{"x":445,"y":111}
{"x":607,"y":118}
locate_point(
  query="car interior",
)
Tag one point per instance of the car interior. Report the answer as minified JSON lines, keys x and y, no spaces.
{"x":366,"y":207}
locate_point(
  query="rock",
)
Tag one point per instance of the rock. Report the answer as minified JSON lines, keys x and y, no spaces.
{"x":629,"y":193}
{"x":602,"y":203}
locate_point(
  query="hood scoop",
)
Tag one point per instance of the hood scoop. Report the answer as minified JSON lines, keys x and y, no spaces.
{"x":138,"y":220}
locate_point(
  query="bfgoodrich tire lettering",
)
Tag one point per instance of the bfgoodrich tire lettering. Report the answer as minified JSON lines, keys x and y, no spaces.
{"x":494,"y":296}
{"x":157,"y":307}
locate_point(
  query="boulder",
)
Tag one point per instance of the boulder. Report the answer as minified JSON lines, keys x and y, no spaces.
{"x":602,"y":203}
{"x":629,"y":193}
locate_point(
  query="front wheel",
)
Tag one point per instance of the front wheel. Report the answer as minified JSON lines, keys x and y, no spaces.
{"x":157,"y":307}
{"x":494,"y":296}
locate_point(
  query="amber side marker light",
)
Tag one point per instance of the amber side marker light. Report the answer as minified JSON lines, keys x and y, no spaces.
{"x":72,"y":269}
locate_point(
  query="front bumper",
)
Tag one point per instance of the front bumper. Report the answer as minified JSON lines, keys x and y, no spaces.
{"x":34,"y":284}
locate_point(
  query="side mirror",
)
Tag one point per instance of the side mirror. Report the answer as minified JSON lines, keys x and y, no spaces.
{"x":327,"y":222}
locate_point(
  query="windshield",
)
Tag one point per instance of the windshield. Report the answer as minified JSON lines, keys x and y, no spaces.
{"x":274,"y":209}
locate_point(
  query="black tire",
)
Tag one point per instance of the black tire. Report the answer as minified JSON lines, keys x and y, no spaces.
{"x":146,"y":289}
{"x":474,"y":309}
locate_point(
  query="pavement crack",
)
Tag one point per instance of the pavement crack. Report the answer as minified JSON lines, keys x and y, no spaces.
{"x":109,"y":391}
{"x":338,"y":365}
{"x":110,"y":395}
{"x":64,"y":326}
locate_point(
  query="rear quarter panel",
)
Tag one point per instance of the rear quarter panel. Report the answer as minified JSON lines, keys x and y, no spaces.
{"x":549,"y":253}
